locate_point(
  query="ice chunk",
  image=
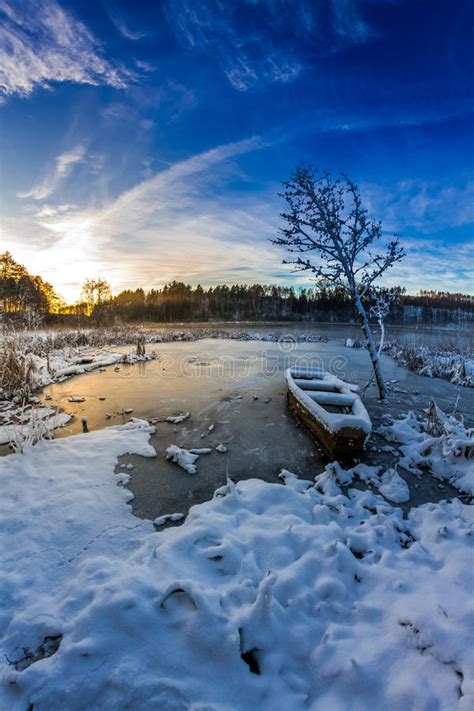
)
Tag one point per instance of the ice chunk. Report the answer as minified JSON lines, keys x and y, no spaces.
{"x":176,"y":419}
{"x":182,"y":457}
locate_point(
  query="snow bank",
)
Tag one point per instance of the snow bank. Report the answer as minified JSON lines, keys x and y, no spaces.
{"x":390,"y":484}
{"x":58,"y":365}
{"x":267,"y":597}
{"x":167,"y":518}
{"x":79,"y":366}
{"x":65,"y":365}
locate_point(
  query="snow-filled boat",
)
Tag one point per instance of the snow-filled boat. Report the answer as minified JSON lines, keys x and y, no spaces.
{"x":331,"y":409}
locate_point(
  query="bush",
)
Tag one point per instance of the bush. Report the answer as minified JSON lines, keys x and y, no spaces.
{"x":16,"y":373}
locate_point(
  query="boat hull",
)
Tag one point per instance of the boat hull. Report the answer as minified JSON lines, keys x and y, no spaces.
{"x":345,"y":445}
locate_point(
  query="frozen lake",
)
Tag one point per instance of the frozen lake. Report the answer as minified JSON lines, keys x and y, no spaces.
{"x":239,"y":388}
{"x":462,"y":334}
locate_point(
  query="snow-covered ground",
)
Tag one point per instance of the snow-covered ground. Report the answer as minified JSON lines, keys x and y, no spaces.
{"x":269,"y":596}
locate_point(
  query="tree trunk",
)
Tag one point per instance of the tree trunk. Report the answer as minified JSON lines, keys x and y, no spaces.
{"x":374,"y":356}
{"x":382,"y":335}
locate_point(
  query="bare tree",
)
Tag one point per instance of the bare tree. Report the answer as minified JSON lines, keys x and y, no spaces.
{"x":326,"y":218}
{"x":95,"y":292}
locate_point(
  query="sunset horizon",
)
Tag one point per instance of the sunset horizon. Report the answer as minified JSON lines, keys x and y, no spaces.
{"x":162,"y":136}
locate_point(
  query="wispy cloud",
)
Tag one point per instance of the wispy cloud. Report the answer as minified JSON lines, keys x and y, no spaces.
{"x":120,"y":24}
{"x":424,"y":206}
{"x":244,"y":73}
{"x":145,"y":67}
{"x":269,"y":47}
{"x":430,"y":264}
{"x":50,"y":211}
{"x":146,"y":105}
{"x":41,"y":43}
{"x":188,"y":222}
{"x":348,"y":23}
{"x":171,"y":225}
{"x":159,"y":193}
{"x":58,"y":171}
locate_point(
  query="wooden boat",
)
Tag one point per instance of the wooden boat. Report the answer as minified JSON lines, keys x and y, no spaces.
{"x":332,"y":411}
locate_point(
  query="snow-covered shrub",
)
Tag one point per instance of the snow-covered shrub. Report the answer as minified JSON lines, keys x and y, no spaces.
{"x":16,"y":372}
{"x":35,"y":429}
{"x":447,"y":361}
{"x":438,"y":443}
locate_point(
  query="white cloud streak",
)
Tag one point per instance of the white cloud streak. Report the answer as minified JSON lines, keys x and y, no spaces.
{"x":183,"y":223}
{"x":61,"y":168}
{"x":122,"y":27}
{"x":41,"y":43}
{"x":168,"y":226}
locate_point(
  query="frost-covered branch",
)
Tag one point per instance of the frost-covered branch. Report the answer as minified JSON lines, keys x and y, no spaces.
{"x":382,"y":300}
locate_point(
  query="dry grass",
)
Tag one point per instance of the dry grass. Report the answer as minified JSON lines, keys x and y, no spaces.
{"x":450,"y":360}
{"x":16,"y":372}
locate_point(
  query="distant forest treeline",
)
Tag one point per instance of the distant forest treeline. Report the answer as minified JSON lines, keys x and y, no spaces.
{"x":22,"y":295}
{"x":181,"y":302}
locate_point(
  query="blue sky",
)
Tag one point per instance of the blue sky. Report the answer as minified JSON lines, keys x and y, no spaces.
{"x":146,"y":141}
